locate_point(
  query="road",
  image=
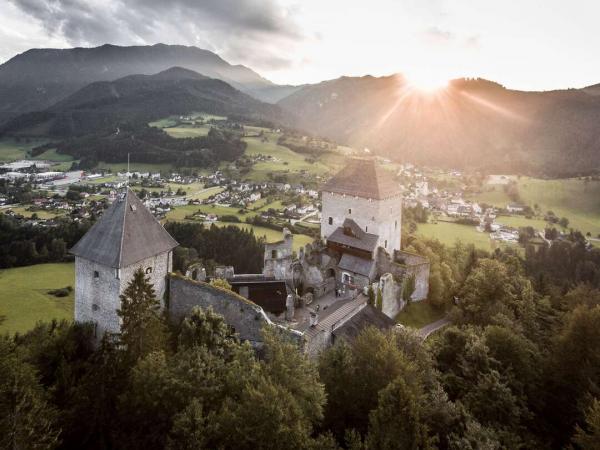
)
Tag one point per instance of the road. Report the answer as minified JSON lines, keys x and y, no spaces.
{"x":433,"y":327}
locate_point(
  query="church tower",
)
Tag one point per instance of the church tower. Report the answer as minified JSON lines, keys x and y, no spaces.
{"x":368,"y":195}
{"x":125,"y":238}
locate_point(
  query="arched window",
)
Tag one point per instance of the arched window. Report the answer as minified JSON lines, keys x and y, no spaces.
{"x":148,"y":270}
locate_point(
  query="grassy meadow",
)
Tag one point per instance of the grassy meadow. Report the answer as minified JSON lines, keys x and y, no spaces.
{"x":24,"y":298}
{"x":576,"y":199}
{"x":448,"y":233}
{"x":11,"y":149}
{"x":187,"y":131}
{"x":41,"y":214}
{"x":285,"y":161}
{"x":419,"y":314}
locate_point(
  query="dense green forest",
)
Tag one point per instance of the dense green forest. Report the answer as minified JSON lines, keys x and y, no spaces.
{"x":146,"y":144}
{"x":24,"y":245}
{"x":519,"y":368}
{"x":231,"y":246}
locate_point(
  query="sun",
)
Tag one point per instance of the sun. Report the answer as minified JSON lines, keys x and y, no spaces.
{"x":428,"y":82}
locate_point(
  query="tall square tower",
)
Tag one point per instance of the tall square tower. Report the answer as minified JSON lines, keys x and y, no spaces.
{"x":125,"y":238}
{"x":369,"y":195}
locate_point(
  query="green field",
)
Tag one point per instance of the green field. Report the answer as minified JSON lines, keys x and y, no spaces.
{"x":52,"y":155}
{"x":577,"y":200}
{"x":11,"y":150}
{"x":285,"y":161}
{"x":24,"y":298}
{"x":202,"y":193}
{"x":164,"y":123}
{"x":180,"y":212}
{"x":522,"y":221}
{"x":42,"y":214}
{"x":448,"y":233}
{"x":419,"y":314}
{"x":136,"y":167}
{"x":187,"y":131}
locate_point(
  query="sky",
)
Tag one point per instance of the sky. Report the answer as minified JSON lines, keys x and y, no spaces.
{"x":524,"y":44}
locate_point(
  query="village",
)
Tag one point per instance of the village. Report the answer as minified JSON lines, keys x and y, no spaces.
{"x":37,"y":195}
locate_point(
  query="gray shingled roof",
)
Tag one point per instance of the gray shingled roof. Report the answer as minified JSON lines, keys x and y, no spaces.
{"x":125,"y":234}
{"x":357,"y":265}
{"x":368,"y":316}
{"x":360,"y":239}
{"x":364,"y":178}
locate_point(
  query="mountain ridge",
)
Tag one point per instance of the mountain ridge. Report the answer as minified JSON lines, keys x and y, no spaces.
{"x":136,"y":100}
{"x":472,"y":123}
{"x":38,"y":78}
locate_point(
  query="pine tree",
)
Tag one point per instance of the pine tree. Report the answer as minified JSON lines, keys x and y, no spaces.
{"x":589,"y":438}
{"x":142,"y":329}
{"x":397,"y":422}
{"x":26,"y":419}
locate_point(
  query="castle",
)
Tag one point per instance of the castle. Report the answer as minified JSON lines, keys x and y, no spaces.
{"x":316,"y":296}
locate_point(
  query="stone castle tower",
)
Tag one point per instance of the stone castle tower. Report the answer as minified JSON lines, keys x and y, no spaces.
{"x":367,"y":194}
{"x":125,"y":238}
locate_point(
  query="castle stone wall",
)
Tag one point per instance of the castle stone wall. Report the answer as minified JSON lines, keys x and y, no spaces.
{"x":244,"y":316}
{"x":391,"y":296}
{"x":278,"y":257}
{"x":419,"y":267}
{"x":97,"y":297}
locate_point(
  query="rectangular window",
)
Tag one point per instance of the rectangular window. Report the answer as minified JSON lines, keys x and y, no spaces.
{"x":349,"y":210}
{"x":331,"y":221}
{"x":96,"y":274}
{"x":386,"y":243}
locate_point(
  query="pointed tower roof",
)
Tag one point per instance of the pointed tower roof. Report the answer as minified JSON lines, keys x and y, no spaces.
{"x":126,"y":233}
{"x":363,"y":178}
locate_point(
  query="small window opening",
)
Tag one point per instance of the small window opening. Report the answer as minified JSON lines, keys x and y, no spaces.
{"x":331,"y":221}
{"x":349,"y":210}
{"x":149,"y":270}
{"x":274,"y":254}
{"x":96,"y":274}
{"x":386,"y":243}
{"x":366,"y":229}
{"x":95,"y":307}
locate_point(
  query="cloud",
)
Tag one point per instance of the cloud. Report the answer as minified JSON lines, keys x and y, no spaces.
{"x":435,"y":35}
{"x":473,"y":41}
{"x":237,"y":29}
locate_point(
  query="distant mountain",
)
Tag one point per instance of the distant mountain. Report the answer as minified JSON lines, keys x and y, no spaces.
{"x":38,"y":78}
{"x":472,"y":123}
{"x":138,"y":99}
